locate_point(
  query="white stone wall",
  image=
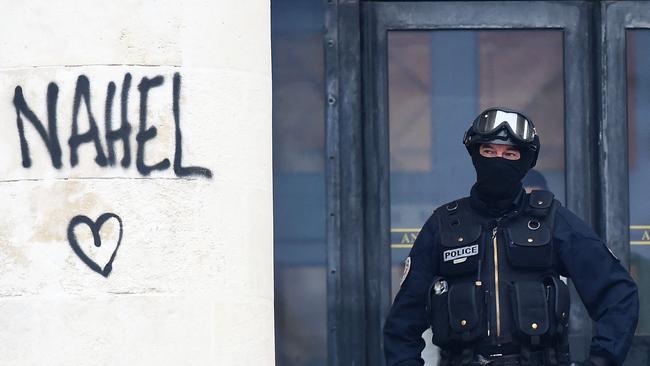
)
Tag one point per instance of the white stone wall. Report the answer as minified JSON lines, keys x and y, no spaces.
{"x":191,"y":279}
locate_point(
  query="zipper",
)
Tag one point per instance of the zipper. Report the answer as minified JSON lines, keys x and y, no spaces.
{"x":487,"y":306}
{"x":496,"y":280}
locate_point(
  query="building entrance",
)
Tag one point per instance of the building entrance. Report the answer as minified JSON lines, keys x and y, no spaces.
{"x":402,"y":80}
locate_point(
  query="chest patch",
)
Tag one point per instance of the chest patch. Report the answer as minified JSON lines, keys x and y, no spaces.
{"x":459,"y":255}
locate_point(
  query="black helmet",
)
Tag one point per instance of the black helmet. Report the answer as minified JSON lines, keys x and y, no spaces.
{"x":503,"y":126}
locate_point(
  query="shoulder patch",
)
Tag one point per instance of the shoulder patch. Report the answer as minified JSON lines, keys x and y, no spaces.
{"x":407,"y":269}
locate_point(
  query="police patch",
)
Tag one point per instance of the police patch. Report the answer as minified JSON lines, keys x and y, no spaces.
{"x":459,"y":255}
{"x":407,"y":268}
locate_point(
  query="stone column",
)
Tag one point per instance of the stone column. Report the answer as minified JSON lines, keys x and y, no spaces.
{"x":136,"y":183}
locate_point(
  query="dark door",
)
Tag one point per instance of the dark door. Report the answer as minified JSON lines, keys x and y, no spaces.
{"x":403,"y":81}
{"x":429,"y":69}
{"x":625,"y":148}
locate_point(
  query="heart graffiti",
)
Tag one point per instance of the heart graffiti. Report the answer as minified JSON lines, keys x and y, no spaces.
{"x":94,"y":226}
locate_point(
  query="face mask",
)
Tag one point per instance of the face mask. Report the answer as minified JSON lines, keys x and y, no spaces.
{"x":497,"y":178}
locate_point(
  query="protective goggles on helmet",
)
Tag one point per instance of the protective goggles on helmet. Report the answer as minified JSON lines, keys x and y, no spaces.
{"x":492,"y":120}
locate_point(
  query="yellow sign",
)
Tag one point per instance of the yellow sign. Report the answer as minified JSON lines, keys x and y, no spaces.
{"x":403,"y":238}
{"x":640,"y":234}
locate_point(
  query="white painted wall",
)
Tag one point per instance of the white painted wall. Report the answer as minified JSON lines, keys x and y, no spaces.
{"x":192,"y":279}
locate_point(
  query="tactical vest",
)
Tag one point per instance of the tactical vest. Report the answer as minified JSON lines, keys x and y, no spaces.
{"x":497,"y":281}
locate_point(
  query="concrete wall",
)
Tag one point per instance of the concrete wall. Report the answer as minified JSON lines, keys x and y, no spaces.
{"x":162,"y":256}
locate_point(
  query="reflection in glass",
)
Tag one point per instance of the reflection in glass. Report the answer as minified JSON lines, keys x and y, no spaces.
{"x":438,"y":82}
{"x":638,"y":124}
{"x":299,"y":183}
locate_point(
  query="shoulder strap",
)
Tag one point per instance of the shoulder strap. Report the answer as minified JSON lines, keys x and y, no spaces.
{"x":457,"y":223}
{"x":540,"y":203}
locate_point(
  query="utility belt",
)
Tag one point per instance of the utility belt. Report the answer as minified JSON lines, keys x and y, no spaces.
{"x":458,"y":312}
{"x":530,"y":358}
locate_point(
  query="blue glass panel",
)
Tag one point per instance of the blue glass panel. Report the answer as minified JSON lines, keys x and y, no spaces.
{"x":438,"y":82}
{"x":638,"y":81}
{"x":299,"y":183}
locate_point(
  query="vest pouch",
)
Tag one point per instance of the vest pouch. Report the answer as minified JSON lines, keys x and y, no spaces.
{"x":457,"y":316}
{"x":530,"y":310}
{"x":528,"y":248}
{"x":438,"y":311}
{"x":559,"y":304}
{"x":460,"y":251}
{"x":467,"y":311}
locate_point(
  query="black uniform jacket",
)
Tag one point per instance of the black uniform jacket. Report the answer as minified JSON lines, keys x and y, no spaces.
{"x":604,"y":286}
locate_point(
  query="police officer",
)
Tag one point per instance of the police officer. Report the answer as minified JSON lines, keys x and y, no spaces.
{"x":484,"y":272}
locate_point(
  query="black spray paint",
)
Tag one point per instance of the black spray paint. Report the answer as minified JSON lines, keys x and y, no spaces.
{"x":145,"y":133}
{"x":49,"y":136}
{"x":124,"y":131}
{"x":94,"y":226}
{"x":83,"y":91}
{"x":180,"y":170}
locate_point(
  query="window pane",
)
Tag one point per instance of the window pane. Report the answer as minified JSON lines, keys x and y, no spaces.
{"x":638,"y":112}
{"x":299,"y":183}
{"x":438,"y":82}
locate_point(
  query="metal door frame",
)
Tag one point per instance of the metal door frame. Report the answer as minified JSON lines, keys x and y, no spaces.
{"x":358,"y":226}
{"x":573,"y":18}
{"x":617,"y":17}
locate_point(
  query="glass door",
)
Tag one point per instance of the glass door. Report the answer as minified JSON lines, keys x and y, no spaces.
{"x":626,"y":132}
{"x":431,"y":68}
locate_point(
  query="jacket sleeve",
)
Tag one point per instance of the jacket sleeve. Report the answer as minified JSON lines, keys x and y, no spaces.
{"x":604,"y":285}
{"x":407,"y":319}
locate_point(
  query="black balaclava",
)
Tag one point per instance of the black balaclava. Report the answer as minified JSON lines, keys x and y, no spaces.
{"x":498,"y":180}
